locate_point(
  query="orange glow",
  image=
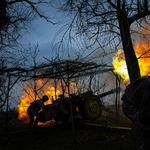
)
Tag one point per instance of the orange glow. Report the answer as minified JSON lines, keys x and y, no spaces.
{"x":143,"y":56}
{"x":28,"y":96}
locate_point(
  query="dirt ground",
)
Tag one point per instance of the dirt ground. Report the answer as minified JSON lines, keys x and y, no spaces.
{"x":62,"y":137}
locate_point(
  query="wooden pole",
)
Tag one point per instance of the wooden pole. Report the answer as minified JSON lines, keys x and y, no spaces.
{"x":7,"y":99}
{"x":70,"y":101}
{"x":116,"y":99}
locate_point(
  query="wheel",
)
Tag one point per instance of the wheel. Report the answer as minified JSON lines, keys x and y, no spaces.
{"x":92,"y":107}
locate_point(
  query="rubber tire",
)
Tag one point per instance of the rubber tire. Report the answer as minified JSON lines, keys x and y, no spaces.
{"x":92,"y":107}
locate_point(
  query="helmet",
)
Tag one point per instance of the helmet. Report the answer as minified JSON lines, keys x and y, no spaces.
{"x":45,"y":98}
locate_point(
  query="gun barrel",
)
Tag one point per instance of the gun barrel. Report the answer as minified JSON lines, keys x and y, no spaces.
{"x":108,"y":92}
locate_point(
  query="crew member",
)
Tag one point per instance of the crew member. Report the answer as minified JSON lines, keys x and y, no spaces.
{"x":136,"y":106}
{"x":34,"y":109}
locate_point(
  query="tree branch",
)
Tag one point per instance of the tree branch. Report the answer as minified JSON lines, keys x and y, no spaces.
{"x":33,"y":7}
{"x":112,"y":4}
{"x":138,"y":16}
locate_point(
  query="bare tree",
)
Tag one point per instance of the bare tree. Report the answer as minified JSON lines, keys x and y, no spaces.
{"x":104,"y":22}
{"x":15,"y":17}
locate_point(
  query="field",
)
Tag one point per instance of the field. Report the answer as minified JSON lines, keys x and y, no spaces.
{"x":63,"y":137}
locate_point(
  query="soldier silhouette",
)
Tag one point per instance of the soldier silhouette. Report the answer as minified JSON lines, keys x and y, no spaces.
{"x":34,"y":108}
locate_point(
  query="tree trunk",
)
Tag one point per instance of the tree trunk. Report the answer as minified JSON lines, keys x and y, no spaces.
{"x":131,"y":60}
{"x":3,"y":18}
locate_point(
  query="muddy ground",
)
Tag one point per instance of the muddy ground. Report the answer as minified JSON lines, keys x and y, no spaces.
{"x":62,"y":137}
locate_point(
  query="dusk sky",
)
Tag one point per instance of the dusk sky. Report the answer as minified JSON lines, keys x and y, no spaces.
{"x":43,"y":33}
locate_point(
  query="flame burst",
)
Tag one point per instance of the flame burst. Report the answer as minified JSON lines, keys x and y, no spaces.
{"x":28,"y":96}
{"x":143,"y":55}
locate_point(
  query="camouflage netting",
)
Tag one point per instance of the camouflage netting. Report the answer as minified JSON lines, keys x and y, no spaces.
{"x":136,"y":106}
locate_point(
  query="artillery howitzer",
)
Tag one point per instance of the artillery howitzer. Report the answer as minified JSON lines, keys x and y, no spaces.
{"x":85,"y":106}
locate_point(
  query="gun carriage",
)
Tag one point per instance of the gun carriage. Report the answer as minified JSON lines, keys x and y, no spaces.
{"x":85,"y":106}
